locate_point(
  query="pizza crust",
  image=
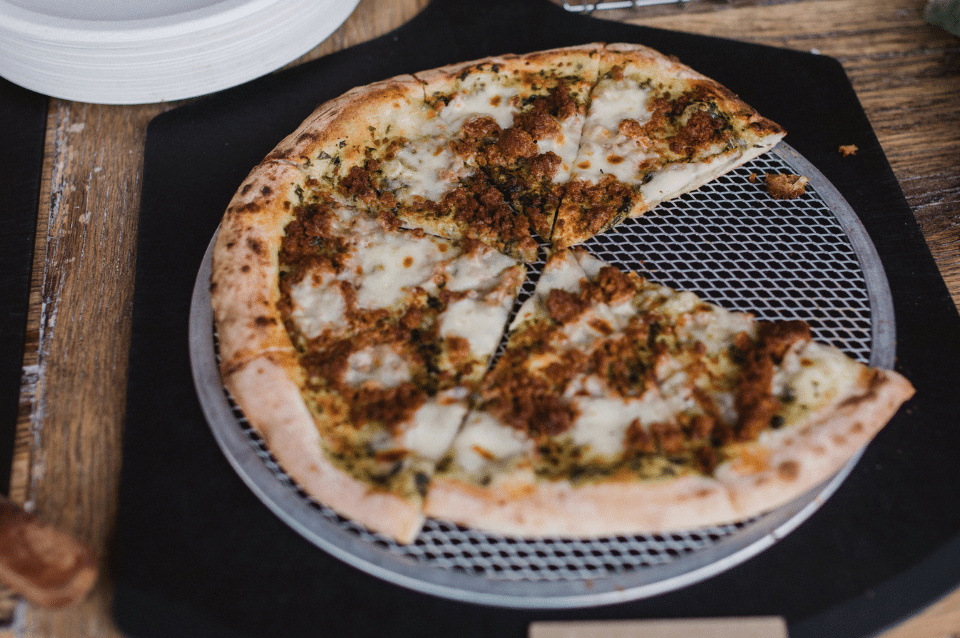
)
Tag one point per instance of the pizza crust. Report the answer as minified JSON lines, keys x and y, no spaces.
{"x":270,"y":398}
{"x":783,"y":466}
{"x":504,"y":69}
{"x":347,"y":126}
{"x":517,"y":506}
{"x":765,"y":476}
{"x":244,"y":291}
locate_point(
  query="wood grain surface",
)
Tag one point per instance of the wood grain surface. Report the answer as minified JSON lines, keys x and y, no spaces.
{"x":906,"y":73}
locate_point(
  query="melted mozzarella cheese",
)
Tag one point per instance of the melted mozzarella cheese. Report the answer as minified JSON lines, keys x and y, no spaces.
{"x":480,"y":323}
{"x":479,"y":96}
{"x":432,"y":428}
{"x":477,"y":270}
{"x":675,"y":179}
{"x":613,"y":101}
{"x":591,"y":265}
{"x":678,"y":303}
{"x":597,"y":160}
{"x":484,"y":440}
{"x":379,"y":365}
{"x":587,"y":327}
{"x":603,"y":148}
{"x":565,"y":145}
{"x":425,"y":169}
{"x":318,"y":304}
{"x":388,"y":265}
{"x":562,"y":272}
{"x":814,"y":375}
{"x":717,"y":328}
{"x":602,"y":422}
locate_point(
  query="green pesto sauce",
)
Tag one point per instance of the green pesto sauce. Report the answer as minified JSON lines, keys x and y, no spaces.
{"x":401,"y":477}
{"x":564,"y":460}
{"x":354,"y":454}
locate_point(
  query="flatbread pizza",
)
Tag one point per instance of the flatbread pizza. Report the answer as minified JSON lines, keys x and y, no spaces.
{"x":365,"y":288}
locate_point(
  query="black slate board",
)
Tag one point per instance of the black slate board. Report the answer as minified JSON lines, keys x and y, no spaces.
{"x":23,"y":115}
{"x":196,"y":554}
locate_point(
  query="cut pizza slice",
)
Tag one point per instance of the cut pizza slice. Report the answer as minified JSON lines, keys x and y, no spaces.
{"x":655,"y":129}
{"x":377,"y":338}
{"x":622,"y":406}
{"x":477,"y":150}
{"x":518,"y":119}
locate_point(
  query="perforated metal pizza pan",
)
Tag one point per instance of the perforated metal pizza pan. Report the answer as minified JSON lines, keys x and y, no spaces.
{"x":807,"y":258}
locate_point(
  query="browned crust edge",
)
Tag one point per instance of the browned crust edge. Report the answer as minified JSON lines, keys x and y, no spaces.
{"x":513,"y":506}
{"x":507,"y":63}
{"x":243,"y":284}
{"x":803,"y":458}
{"x":355,"y":118}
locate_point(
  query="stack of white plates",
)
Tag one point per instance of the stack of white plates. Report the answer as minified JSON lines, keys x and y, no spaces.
{"x":140,"y":51}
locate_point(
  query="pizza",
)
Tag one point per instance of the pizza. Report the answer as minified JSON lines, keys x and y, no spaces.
{"x":620,"y":405}
{"x":367,"y":287}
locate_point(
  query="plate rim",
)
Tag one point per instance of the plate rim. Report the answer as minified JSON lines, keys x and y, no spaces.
{"x":44,"y":26}
{"x":182,"y":59}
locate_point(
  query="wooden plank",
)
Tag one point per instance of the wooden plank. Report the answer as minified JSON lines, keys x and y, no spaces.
{"x":763,"y":627}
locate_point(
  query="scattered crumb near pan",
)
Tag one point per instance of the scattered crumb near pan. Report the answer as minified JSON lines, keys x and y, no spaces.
{"x":848,"y":149}
{"x":785,"y":185}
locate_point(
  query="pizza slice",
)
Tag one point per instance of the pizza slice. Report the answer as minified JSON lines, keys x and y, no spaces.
{"x":477,"y":150}
{"x":376,"y":337}
{"x":518,"y":119}
{"x":655,"y":129}
{"x":622,"y":406}
{"x":382,"y":149}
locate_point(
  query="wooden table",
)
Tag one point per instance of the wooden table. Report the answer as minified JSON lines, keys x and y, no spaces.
{"x":906,"y":73}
